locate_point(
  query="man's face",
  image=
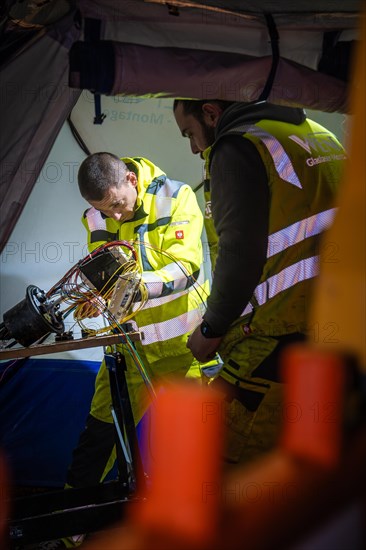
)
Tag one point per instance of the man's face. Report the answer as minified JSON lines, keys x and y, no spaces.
{"x":201,"y":134}
{"x":119,"y":202}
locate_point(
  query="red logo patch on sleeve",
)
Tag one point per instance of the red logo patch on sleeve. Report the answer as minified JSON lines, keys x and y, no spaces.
{"x":179,"y":234}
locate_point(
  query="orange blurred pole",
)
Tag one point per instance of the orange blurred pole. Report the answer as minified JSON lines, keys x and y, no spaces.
{"x":315,"y":385}
{"x":339,"y":304}
{"x":185,"y":475}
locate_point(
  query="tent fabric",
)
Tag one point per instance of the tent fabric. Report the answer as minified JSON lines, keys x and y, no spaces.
{"x":330,"y":13}
{"x":141,"y":71}
{"x":35,"y":101}
{"x":301,"y":31}
{"x":220,"y":48}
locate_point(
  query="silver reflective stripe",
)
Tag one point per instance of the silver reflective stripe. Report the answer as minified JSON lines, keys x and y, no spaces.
{"x":155,"y":283}
{"x":196,"y":289}
{"x":282,"y":162}
{"x":299,"y":231}
{"x":285,"y":279}
{"x":161,"y":301}
{"x":175,"y":276}
{"x":95,"y":220}
{"x":163,"y":208}
{"x":247,"y":310}
{"x":178,"y":326}
{"x":170,"y":188}
{"x":183,"y":222}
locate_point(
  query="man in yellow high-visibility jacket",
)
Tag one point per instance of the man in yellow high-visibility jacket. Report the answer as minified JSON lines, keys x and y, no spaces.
{"x":274,"y":176}
{"x":133,"y":200}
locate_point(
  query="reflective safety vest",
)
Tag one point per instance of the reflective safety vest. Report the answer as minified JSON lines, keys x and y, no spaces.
{"x":166,"y":234}
{"x":303,"y":165}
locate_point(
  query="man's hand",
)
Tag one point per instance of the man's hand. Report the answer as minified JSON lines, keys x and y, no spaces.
{"x":203,"y":349}
{"x":90,"y":309}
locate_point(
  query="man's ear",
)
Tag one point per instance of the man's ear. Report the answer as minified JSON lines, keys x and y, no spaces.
{"x":211,"y":114}
{"x":132,"y":178}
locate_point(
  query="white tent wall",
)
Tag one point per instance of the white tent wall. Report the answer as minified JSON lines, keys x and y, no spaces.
{"x":138,"y":127}
{"x":49,"y":237}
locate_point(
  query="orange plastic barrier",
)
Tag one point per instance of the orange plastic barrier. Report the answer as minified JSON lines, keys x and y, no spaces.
{"x":185,"y":475}
{"x":313,"y":404}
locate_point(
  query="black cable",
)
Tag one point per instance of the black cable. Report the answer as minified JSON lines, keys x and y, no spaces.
{"x":198,"y":187}
{"x":78,"y":137}
{"x":274,"y":36}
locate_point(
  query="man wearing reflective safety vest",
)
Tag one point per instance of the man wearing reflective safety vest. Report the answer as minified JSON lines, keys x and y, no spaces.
{"x":274,"y":175}
{"x":133,"y":200}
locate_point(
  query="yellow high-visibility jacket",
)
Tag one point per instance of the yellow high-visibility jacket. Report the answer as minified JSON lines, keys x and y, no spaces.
{"x":166,"y":234}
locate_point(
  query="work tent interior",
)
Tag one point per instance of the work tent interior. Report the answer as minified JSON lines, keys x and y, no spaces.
{"x":292,"y":53}
{"x":145,"y":52}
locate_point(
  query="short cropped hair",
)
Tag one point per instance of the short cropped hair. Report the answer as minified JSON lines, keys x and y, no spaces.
{"x":98,"y":172}
{"x":194,"y":106}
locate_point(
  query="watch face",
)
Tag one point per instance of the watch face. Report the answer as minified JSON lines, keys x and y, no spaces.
{"x":206,"y":330}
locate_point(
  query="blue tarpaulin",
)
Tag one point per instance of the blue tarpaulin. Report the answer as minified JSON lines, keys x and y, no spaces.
{"x":44,"y":405}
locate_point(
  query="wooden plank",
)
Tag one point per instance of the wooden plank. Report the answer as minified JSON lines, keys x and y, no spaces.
{"x":67,"y":345}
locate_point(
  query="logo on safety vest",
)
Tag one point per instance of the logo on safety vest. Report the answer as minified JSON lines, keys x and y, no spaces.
{"x":208,"y":210}
{"x":179,"y":234}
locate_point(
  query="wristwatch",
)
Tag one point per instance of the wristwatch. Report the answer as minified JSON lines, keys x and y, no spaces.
{"x":207,"y":331}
